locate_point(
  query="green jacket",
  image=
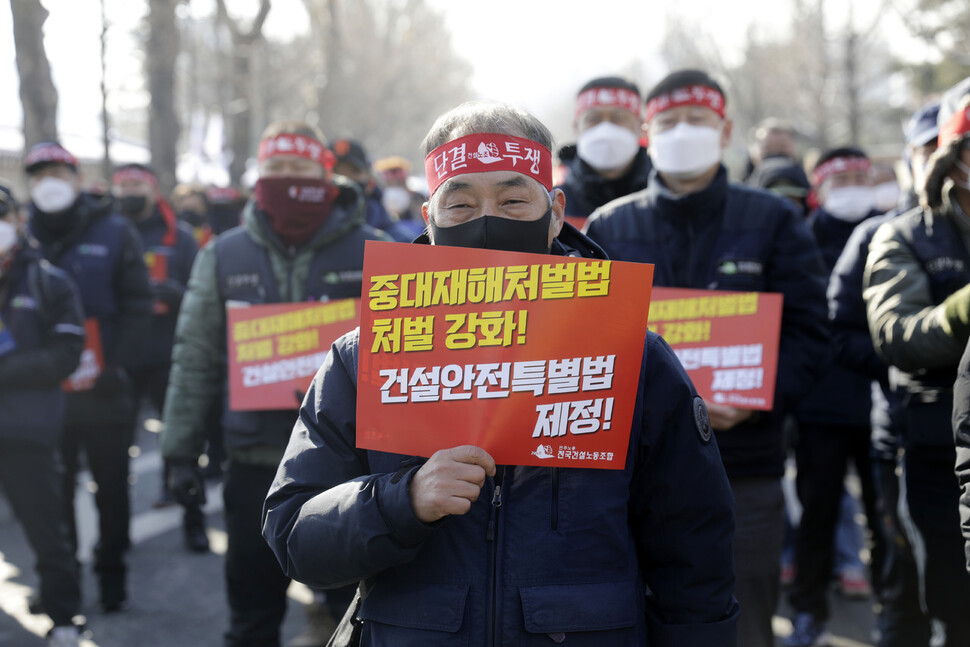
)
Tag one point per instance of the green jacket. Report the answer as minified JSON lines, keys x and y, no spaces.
{"x":908,"y":326}
{"x":199,"y":366}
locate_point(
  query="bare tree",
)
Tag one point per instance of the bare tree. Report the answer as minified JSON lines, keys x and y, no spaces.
{"x":37,"y":92}
{"x":161,"y":52}
{"x":241,"y":106}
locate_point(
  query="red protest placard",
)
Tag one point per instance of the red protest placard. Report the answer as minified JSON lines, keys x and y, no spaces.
{"x":534,"y":358}
{"x":275,"y":350}
{"x":92,"y":361}
{"x":727,"y":341}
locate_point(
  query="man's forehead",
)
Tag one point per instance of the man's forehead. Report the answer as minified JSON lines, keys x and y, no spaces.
{"x":488,"y":179}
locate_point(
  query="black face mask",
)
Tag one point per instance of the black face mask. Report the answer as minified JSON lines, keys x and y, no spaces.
{"x":493,"y":232}
{"x":132,"y":205}
{"x":192,"y":218}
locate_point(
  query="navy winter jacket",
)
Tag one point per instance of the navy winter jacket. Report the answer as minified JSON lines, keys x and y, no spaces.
{"x":40,"y":309}
{"x":854,"y":350}
{"x":732,"y":237}
{"x":841,"y":396}
{"x":634,"y":557}
{"x":586,"y":190}
{"x":170,"y":248}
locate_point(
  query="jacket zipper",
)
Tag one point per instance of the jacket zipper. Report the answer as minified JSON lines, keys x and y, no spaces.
{"x":491,"y":536}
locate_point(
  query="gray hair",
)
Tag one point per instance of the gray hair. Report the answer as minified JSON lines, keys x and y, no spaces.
{"x":474,"y":117}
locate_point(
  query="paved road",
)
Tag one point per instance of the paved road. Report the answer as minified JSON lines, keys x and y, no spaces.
{"x":177,"y":597}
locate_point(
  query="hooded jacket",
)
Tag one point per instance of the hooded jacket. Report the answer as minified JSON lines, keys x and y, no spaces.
{"x":633,"y":557}
{"x":274,"y":274}
{"x":732,"y":237}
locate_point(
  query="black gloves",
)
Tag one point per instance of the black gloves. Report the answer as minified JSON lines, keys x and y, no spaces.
{"x":186,"y":483}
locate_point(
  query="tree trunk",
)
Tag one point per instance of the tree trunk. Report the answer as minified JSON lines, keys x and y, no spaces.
{"x":161,"y":51}
{"x":37,"y":92}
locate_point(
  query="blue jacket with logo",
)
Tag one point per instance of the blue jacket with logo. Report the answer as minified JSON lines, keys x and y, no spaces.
{"x":633,"y":557}
{"x":40,"y":344}
{"x":100,"y":251}
{"x":732,"y":237}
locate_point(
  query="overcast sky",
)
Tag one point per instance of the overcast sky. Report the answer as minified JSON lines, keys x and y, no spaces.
{"x":557,"y":46}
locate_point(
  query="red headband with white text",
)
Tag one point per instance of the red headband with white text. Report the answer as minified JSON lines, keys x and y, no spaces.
{"x":49,"y":153}
{"x":486,"y":152}
{"x":839,"y":165}
{"x":691,"y":95}
{"x":956,"y":126}
{"x":133,"y":174}
{"x":299,"y":145}
{"x":609,"y":98}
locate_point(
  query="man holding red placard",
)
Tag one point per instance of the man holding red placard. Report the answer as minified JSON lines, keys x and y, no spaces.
{"x":702,"y":232}
{"x":302,"y":239}
{"x":456,"y":549}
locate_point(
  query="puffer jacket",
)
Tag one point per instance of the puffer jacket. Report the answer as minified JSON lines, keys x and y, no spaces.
{"x":633,"y":557}
{"x":732,"y":237}
{"x":281,"y":274}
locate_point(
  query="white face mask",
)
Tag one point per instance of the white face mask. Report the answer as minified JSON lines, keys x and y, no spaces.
{"x":885,"y":196}
{"x":396,"y":199}
{"x":8,"y":237}
{"x":53,"y":195}
{"x":686,"y":151}
{"x":849,"y":203}
{"x":607,"y":146}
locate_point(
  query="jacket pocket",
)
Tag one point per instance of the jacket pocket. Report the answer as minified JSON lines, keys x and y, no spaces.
{"x":431,"y":615}
{"x":583,"y":614}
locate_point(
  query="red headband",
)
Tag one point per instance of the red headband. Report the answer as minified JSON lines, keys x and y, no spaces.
{"x":134,"y":174}
{"x":839,"y":165}
{"x":957,"y":126}
{"x":691,"y":95}
{"x":299,"y":145}
{"x":486,"y":152}
{"x":49,"y":152}
{"x":608,"y":97}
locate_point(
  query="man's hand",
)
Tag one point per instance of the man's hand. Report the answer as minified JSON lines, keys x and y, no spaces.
{"x":450,"y":481}
{"x":724,"y":417}
{"x":186,"y":483}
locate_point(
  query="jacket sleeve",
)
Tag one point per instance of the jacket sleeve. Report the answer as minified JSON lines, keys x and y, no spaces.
{"x":48,"y":365}
{"x":797,"y":272}
{"x":134,"y":292}
{"x":198,"y":370}
{"x":847,"y":310}
{"x":961,"y":435}
{"x":328,"y":520}
{"x":682,"y":511}
{"x":907,"y":328}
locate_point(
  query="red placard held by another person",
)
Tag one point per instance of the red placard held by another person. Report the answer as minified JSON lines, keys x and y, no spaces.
{"x":92,"y":361}
{"x":534,"y":358}
{"x":275,"y":349}
{"x":727,"y":341}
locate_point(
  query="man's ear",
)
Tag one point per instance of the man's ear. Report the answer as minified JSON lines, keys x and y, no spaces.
{"x":558,"y":213}
{"x":726,"y":133}
{"x":424,"y":212}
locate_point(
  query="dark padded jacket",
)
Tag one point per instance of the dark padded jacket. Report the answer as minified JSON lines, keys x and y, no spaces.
{"x":732,"y":237}
{"x":564,"y":555}
{"x":586,"y":190}
{"x":40,"y":309}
